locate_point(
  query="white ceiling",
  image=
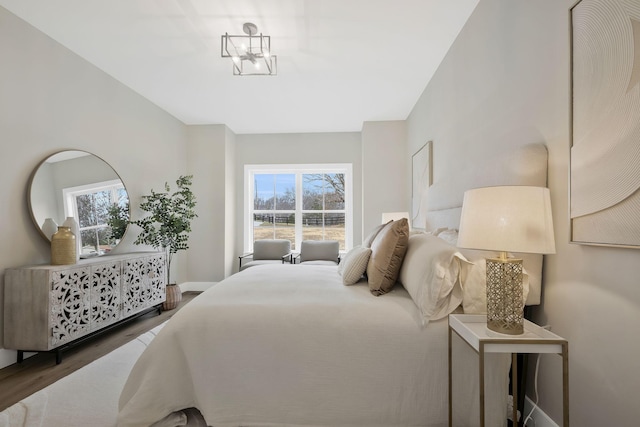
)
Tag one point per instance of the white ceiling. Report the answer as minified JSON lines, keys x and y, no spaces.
{"x":340,"y":62}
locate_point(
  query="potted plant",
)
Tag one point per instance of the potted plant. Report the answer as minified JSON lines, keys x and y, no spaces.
{"x":117,"y":220}
{"x":168,"y":226}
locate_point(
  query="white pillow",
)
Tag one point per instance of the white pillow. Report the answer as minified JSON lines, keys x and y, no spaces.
{"x":422,"y":231}
{"x":430,"y":274}
{"x":473,"y":276}
{"x":353,"y":264}
{"x":449,"y":235}
{"x":475,"y":290}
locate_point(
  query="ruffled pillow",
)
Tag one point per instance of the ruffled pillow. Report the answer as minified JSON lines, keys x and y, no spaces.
{"x":431,"y":275}
{"x":449,"y":235}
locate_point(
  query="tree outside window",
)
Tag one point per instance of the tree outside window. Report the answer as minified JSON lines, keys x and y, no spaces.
{"x":300,"y":203}
{"x":274,"y":205}
{"x":323,"y":216}
{"x":91,"y":206}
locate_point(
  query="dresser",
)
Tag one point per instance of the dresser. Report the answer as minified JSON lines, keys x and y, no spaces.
{"x":49,"y":307}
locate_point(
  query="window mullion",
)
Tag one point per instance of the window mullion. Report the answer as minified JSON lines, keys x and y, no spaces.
{"x":273,"y":208}
{"x":252,"y":198}
{"x":298,"y":226}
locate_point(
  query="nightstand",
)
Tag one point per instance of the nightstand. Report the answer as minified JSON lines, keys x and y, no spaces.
{"x":472,"y":329}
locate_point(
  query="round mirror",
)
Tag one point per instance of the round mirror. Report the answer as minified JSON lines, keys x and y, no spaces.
{"x":80,"y":185}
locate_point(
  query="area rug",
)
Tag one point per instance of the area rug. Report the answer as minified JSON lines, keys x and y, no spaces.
{"x":87,"y":397}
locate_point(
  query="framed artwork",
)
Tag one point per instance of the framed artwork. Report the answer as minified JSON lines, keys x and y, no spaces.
{"x":605,"y":129}
{"x":420,"y":182}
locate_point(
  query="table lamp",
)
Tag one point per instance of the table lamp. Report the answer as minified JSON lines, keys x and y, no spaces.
{"x":506,"y":219}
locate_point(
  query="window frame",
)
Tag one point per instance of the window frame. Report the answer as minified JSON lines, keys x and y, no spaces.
{"x":298,"y":170}
{"x":70,"y":194}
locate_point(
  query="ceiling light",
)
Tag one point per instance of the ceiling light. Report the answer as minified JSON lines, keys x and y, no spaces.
{"x":250,"y":53}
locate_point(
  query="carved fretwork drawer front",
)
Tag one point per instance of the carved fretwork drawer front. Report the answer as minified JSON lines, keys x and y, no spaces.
{"x":143,"y":284}
{"x":105,"y":294}
{"x":70,"y":305}
{"x":47,"y":306}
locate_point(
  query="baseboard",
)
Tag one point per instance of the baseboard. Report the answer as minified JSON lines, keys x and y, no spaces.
{"x":7,"y":357}
{"x":540,"y":419}
{"x":196,"y":286}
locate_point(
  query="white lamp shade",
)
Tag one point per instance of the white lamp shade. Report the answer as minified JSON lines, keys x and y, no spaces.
{"x":507,"y":219}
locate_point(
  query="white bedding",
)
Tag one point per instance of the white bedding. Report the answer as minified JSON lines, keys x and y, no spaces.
{"x":290,"y":345}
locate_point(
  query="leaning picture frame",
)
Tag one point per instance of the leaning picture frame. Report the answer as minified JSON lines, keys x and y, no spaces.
{"x":421,"y":179}
{"x":604,"y":180}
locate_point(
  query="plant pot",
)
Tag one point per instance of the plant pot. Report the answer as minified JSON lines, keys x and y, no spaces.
{"x":174,"y":296}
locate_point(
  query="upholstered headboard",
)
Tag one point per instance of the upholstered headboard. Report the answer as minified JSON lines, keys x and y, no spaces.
{"x":525,"y":165}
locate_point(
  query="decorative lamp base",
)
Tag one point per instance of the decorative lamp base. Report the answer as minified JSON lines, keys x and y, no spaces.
{"x":505,"y":306}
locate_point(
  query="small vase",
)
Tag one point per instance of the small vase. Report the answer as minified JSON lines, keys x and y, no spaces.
{"x":174,"y":296}
{"x":75,"y":229}
{"x":63,"y":247}
{"x":49,"y":227}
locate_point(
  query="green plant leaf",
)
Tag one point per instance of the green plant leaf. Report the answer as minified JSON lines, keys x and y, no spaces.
{"x":169,"y":221}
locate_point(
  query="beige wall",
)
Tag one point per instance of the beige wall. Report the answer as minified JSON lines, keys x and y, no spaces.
{"x":50,"y":100}
{"x":208,"y":149}
{"x":385,"y":171}
{"x":506,"y":82}
{"x":231,"y":214}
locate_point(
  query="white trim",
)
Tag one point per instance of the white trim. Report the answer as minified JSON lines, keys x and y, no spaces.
{"x":68,"y":194}
{"x":251,"y":169}
{"x":540,"y":419}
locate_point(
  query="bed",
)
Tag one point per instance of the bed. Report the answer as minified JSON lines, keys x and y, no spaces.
{"x":296,"y":345}
{"x":292,"y":345}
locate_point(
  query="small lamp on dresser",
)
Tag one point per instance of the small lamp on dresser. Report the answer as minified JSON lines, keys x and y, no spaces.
{"x":506,"y":219}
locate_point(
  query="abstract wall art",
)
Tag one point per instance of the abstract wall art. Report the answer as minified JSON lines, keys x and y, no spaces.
{"x":605,"y":141}
{"x":420,"y":182}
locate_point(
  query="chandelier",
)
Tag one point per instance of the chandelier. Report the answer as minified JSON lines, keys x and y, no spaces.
{"x":251,"y":53}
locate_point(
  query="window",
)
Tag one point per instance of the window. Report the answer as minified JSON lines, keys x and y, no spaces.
{"x":298,"y":202}
{"x":91,"y":205}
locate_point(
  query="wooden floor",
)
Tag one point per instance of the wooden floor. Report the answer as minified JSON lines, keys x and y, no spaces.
{"x":18,"y":381}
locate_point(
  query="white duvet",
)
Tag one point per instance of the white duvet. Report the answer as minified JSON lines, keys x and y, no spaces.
{"x":290,"y":345}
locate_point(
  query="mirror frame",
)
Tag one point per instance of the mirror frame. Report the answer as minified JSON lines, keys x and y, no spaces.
{"x":30,"y":190}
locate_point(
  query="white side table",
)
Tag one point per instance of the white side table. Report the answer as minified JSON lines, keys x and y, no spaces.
{"x":472,"y":328}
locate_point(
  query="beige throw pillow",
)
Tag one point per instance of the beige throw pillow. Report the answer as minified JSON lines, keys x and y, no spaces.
{"x":353,"y":265}
{"x":387,"y":253}
{"x":366,"y":243}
